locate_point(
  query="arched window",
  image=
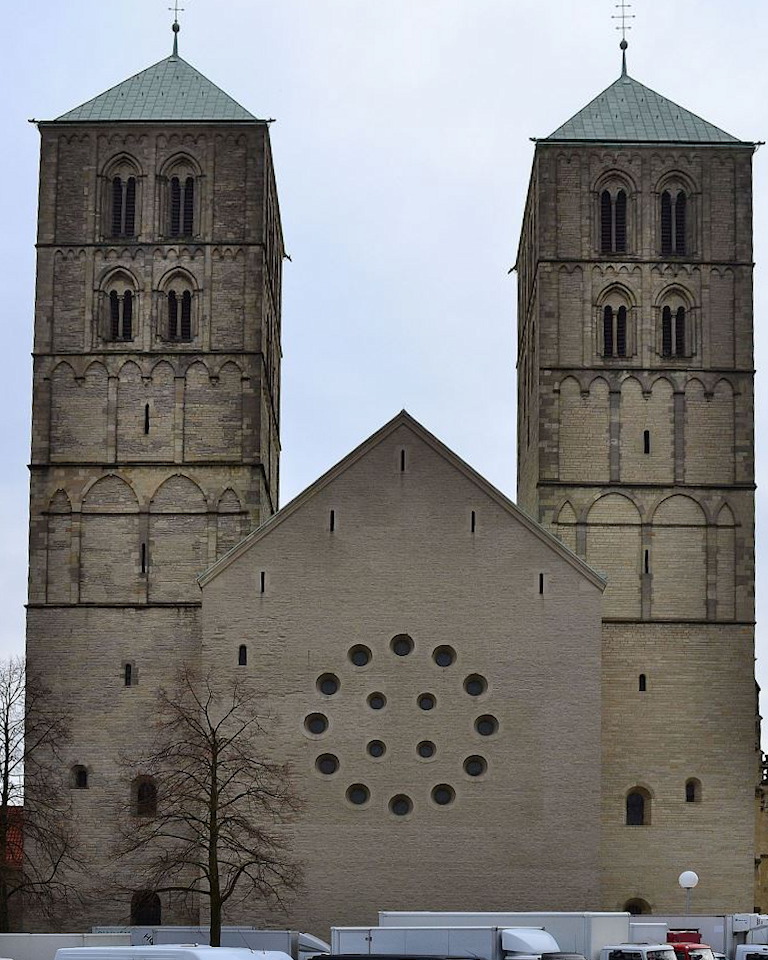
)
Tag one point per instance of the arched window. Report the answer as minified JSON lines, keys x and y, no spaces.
{"x":673,"y":334}
{"x":693,"y":790}
{"x":145,"y":909}
{"x":636,"y":907}
{"x":638,"y":808}
{"x":642,"y":685}
{"x":613,"y":221}
{"x":79,"y":778}
{"x":179,"y":315}
{"x":242,"y":655}
{"x":614,"y":331}
{"x":674,"y":222}
{"x":182,"y":206}
{"x":123,"y":221}
{"x":146,"y":798}
{"x":121,"y":315}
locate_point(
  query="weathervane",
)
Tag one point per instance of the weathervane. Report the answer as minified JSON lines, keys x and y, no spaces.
{"x":623,"y":16}
{"x":176,"y":10}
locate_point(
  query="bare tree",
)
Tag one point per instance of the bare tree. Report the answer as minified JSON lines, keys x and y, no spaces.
{"x":210,"y":812}
{"x":35,"y":810}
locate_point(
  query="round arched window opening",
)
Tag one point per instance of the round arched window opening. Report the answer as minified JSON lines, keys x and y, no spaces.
{"x":377,"y":701}
{"x":475,"y":685}
{"x":475,"y":766}
{"x":328,"y":684}
{"x":360,"y":655}
{"x":444,"y":656}
{"x":401,"y":805}
{"x":376,"y":748}
{"x":638,"y":808}
{"x":443,"y":794}
{"x":693,"y":790}
{"x":316,"y":723}
{"x":426,"y":749}
{"x":327,"y":764}
{"x":486,"y":725}
{"x":637,"y":907}
{"x":401,"y":645}
{"x":358,"y":794}
{"x":426,"y":701}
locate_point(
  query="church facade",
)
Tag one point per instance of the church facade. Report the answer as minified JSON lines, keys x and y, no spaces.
{"x":561,"y":697}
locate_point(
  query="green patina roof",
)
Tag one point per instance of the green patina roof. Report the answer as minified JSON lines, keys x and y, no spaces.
{"x":628,"y":111}
{"x":170,"y":90}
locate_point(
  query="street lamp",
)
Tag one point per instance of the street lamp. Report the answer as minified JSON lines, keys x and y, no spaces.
{"x":688,"y":880}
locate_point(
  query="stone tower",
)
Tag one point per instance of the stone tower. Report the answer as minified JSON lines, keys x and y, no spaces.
{"x":635,"y":440}
{"x":155,"y":435}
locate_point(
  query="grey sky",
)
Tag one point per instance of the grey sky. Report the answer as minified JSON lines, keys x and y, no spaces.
{"x":402,"y":152}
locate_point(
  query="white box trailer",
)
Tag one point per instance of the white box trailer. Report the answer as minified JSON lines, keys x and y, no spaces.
{"x":481,"y":942}
{"x":576,"y":932}
{"x":43,"y":946}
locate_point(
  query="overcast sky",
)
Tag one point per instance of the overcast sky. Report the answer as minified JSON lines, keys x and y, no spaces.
{"x":402,"y":148}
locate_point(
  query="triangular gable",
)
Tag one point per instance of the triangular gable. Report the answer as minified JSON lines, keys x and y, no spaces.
{"x":402,"y":419}
{"x":169,"y":90}
{"x":627,"y":111}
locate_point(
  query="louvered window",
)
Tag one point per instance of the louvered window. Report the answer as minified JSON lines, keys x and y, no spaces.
{"x":120,"y":315}
{"x":179,"y":315}
{"x":608,"y":332}
{"x":674,"y":223}
{"x":182,"y":207}
{"x":615,"y":332}
{"x":123,"y":207}
{"x":606,"y":223}
{"x":613,"y":222}
{"x":673,"y":338}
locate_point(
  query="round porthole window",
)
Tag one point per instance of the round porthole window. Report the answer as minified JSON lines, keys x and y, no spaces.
{"x":327,"y":764}
{"x":360,"y":655}
{"x":443,"y":794}
{"x":444,"y":656}
{"x":426,"y":701}
{"x":316,"y":723}
{"x":475,"y":685}
{"x":358,"y":794}
{"x":401,"y":805}
{"x":376,"y":748}
{"x":475,"y":766}
{"x":487,"y":725}
{"x":401,"y":645}
{"x":426,"y":749}
{"x":377,"y":701}
{"x":328,"y":684}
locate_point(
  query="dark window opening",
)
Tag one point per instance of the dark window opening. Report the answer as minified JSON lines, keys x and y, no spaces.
{"x":646,"y":561}
{"x":79,"y":778}
{"x":642,"y":684}
{"x":680,"y":224}
{"x":673,"y":332}
{"x":621,"y":222}
{"x":666,"y":332}
{"x":613,"y":222}
{"x":674,"y":223}
{"x":472,"y":522}
{"x":143,"y":558}
{"x":128,"y":675}
{"x":614,"y":332}
{"x":635,"y":810}
{"x":606,"y":218}
{"x":541,"y":583}
{"x":242,"y":655}
{"x":692,"y":791}
{"x":646,"y":441}
{"x":262,"y":581}
{"x":402,"y":461}
{"x":621,"y":332}
{"x":333,"y":521}
{"x":146,"y":799}
{"x":608,"y":332}
{"x":680,"y":332}
{"x":146,"y":418}
{"x":121,"y":315}
{"x":189,"y":206}
{"x":666,"y":223}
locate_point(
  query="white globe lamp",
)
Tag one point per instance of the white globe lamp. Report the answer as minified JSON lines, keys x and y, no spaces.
{"x":688,"y":880}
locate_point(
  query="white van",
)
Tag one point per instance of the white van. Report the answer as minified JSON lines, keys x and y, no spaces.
{"x":640,"y":951}
{"x":751,"y":951}
{"x":170,"y":952}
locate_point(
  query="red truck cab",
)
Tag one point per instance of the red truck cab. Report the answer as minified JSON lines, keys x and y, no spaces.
{"x":688,"y":946}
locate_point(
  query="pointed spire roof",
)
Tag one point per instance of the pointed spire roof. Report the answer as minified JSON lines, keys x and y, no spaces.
{"x":629,"y":112}
{"x":169,"y":90}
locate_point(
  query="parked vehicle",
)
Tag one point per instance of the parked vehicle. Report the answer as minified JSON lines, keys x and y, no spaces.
{"x":638,"y":951}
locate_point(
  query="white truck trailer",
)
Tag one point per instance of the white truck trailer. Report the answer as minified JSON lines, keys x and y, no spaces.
{"x":585,"y":933}
{"x":484,"y":943}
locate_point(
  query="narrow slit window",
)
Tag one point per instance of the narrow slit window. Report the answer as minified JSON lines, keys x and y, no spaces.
{"x":143,"y":558}
{"x":114,"y":315}
{"x":473,"y":522}
{"x":186,"y":315}
{"x":606,"y":222}
{"x":680,"y":332}
{"x":666,"y":332}
{"x":646,"y":441}
{"x":680,"y":223}
{"x":128,"y":675}
{"x":621,"y":222}
{"x":608,"y":332}
{"x":175,"y":207}
{"x":146,"y":418}
{"x":262,"y":581}
{"x":129,"y":220}
{"x":666,"y":223}
{"x":642,"y":685}
{"x":189,"y":206}
{"x":117,"y":206}
{"x":332,"y":521}
{"x":242,"y":656}
{"x":402,"y":461}
{"x":621,"y":332}
{"x":541,"y":583}
{"x":173,"y":315}
{"x":647,"y":561}
{"x":126,"y":332}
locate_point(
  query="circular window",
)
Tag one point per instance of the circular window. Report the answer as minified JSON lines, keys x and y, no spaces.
{"x":360,"y":655}
{"x":328,"y":683}
{"x":327,"y":764}
{"x":316,"y":723}
{"x":475,"y":685}
{"x":426,"y":749}
{"x":442,"y":794}
{"x":358,"y":794}
{"x":426,"y":701}
{"x":377,"y":701}
{"x":486,"y":726}
{"x":475,"y":766}
{"x":444,"y":656}
{"x":376,"y":748}
{"x":401,"y":805}
{"x":402,"y":645}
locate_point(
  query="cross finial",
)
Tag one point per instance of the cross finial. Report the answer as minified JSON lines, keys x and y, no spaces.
{"x":176,"y":10}
{"x":622,"y":15}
